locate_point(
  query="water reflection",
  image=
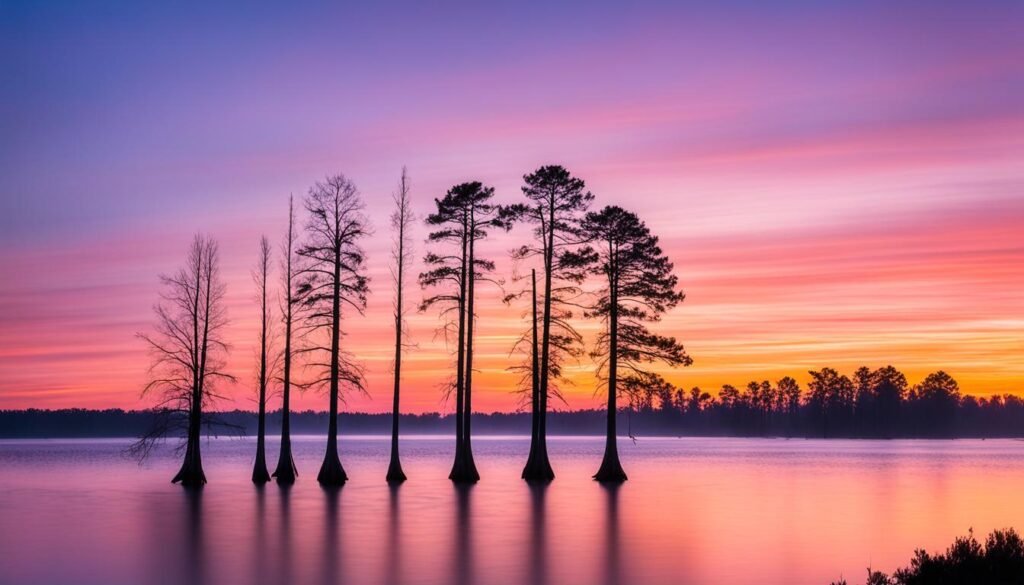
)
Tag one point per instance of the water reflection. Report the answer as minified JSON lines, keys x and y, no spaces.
{"x":284,"y":549}
{"x":194,"y":563}
{"x":463,"y":552}
{"x":393,"y":557}
{"x":330,"y":573}
{"x":260,"y":550}
{"x":801,"y":512}
{"x":613,"y":562}
{"x":537,"y":538}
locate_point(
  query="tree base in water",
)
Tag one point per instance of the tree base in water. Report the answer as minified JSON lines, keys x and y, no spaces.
{"x":464,"y":477}
{"x":190,"y":476}
{"x":611,"y":471}
{"x":538,"y":469}
{"x":286,"y":471}
{"x":331,"y":472}
{"x":395,"y":473}
{"x":260,"y":474}
{"x":464,"y":470}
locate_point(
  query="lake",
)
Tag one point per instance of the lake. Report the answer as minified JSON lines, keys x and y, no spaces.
{"x":695,"y":511}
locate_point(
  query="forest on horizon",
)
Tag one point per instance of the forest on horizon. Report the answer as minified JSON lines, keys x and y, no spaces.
{"x":870,"y":405}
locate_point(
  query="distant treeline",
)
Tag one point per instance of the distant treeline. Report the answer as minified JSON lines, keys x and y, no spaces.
{"x":872,"y":404}
{"x":77,"y":422}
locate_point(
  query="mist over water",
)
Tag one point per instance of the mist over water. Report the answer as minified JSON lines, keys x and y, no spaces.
{"x":722,"y":511}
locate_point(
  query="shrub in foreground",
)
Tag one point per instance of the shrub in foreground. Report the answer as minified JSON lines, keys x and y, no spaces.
{"x":1000,"y":561}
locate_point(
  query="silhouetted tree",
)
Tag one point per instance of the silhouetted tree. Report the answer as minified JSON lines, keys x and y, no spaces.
{"x":260,"y":474}
{"x":889,"y":391}
{"x":937,"y":398}
{"x":445,"y":277}
{"x":691,"y":408}
{"x":865,"y":401}
{"x":729,"y":396}
{"x":665,"y":392}
{"x":975,"y":417}
{"x":334,"y":281}
{"x":666,"y":405}
{"x":556,"y":205}
{"x":188,"y":357}
{"x":482,"y":216}
{"x":655,"y":390}
{"x":286,"y":471}
{"x":535,"y":401}
{"x":464,"y":216}
{"x":529,"y":382}
{"x":762,"y":402}
{"x":831,"y":396}
{"x":401,"y":223}
{"x":697,"y":400}
{"x":638,"y":288}
{"x":789,"y":393}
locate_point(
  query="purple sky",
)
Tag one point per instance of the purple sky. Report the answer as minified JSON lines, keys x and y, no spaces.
{"x":839,"y":183}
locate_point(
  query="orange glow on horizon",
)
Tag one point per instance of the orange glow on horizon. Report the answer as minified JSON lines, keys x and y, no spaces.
{"x":930,"y":293}
{"x":838,"y":185}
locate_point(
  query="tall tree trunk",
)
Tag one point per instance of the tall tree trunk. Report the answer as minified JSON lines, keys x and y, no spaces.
{"x":611,"y":469}
{"x":534,"y":384}
{"x":260,"y":474}
{"x":395,"y":473}
{"x":191,"y":472}
{"x":541,"y":470}
{"x":331,"y":471}
{"x":469,"y":472}
{"x":545,"y":385}
{"x":459,"y":464}
{"x":286,"y":471}
{"x":259,"y":470}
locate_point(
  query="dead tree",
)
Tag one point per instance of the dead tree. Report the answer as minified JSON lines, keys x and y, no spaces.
{"x":188,"y":354}
{"x":401,"y":222}
{"x":334,"y":282}
{"x":260,"y":474}
{"x":286,"y":471}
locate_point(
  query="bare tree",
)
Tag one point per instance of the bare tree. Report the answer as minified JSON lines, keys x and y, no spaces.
{"x":260,"y":474}
{"x":334,"y":282}
{"x":188,"y":357}
{"x":286,"y":471}
{"x":401,"y":222}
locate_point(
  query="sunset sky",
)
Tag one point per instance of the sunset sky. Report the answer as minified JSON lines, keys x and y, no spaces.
{"x":838,"y":184}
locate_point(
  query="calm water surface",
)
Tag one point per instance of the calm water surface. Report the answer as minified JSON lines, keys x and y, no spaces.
{"x":714,"y":511}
